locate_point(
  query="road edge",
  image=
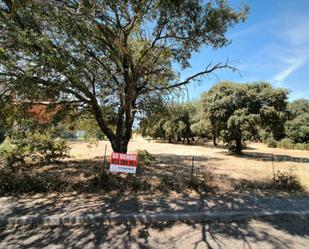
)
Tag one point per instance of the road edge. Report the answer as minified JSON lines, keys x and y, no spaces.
{"x":152,"y":217}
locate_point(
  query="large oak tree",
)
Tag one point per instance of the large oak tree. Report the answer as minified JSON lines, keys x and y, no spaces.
{"x":109,"y":57}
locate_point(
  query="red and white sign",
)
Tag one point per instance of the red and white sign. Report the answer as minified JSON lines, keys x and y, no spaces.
{"x":122,"y":162}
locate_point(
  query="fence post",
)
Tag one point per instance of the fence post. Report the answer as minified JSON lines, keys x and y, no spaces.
{"x":192,"y":168}
{"x":273,"y":165}
{"x":104,"y":162}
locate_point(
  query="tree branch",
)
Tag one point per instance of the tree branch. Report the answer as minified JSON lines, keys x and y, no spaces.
{"x":209,"y":69}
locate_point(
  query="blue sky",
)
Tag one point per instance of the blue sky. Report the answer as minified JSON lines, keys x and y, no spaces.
{"x":272,"y":45}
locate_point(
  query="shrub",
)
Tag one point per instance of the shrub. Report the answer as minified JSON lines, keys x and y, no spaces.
{"x":21,"y":183}
{"x":301,"y":146}
{"x":264,"y":135}
{"x":35,"y":146}
{"x":12,"y":153}
{"x":172,"y":183}
{"x":45,"y":148}
{"x":272,"y":143}
{"x":145,"y":157}
{"x":286,"y":143}
{"x":287,"y":180}
{"x":108,"y":182}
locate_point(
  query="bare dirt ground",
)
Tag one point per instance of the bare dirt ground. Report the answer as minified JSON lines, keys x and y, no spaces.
{"x":254,"y":166}
{"x":284,"y":233}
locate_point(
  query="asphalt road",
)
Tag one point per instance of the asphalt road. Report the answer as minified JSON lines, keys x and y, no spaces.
{"x":266,"y":233}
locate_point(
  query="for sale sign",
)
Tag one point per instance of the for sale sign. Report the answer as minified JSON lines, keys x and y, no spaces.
{"x":123,"y":162}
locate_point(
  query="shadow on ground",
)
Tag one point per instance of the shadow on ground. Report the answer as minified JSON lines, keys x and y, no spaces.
{"x":245,"y":234}
{"x":150,"y":235}
{"x":268,"y":157}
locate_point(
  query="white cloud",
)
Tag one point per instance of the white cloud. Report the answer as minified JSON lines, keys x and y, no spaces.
{"x":294,"y":51}
{"x":287,"y":51}
{"x":289,"y":61}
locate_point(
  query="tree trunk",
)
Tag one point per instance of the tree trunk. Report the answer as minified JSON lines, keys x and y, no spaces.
{"x":120,"y":145}
{"x":214,"y":140}
{"x":238,"y":146}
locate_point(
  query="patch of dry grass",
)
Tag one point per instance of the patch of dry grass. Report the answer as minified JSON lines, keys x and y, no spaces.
{"x":256,"y":164}
{"x":214,"y":168}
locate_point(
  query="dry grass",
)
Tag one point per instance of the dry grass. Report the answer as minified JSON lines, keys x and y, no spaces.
{"x":215,"y":169}
{"x":255,"y":165}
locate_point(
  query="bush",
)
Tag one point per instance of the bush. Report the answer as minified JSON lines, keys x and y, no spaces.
{"x":45,"y":148}
{"x":301,"y":146}
{"x":35,"y":146}
{"x":287,"y":180}
{"x":21,"y":183}
{"x":172,"y":183}
{"x":12,"y":153}
{"x":286,"y":143}
{"x":108,"y":182}
{"x":264,"y":135}
{"x":272,"y":143}
{"x":145,"y":157}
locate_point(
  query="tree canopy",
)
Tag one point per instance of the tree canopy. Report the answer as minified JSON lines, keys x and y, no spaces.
{"x":109,"y":57}
{"x":297,"y":128}
{"x":237,"y":111}
{"x":171,"y":121}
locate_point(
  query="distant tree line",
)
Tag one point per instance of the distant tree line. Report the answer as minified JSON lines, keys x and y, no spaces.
{"x":232,"y":113}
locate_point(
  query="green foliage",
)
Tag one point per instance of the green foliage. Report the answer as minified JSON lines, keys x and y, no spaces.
{"x":236,"y":112}
{"x":265,"y":135}
{"x":145,"y":157}
{"x":15,"y":151}
{"x":272,"y":143}
{"x":46,"y":147}
{"x":171,"y":122}
{"x":297,"y":129}
{"x":89,"y":125}
{"x":104,"y":56}
{"x":286,"y":143}
{"x":12,"y":153}
{"x":298,"y":107}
